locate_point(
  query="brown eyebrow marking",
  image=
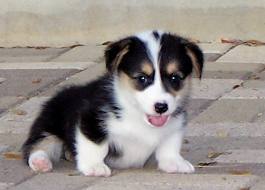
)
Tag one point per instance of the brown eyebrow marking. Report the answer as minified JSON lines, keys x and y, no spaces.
{"x":147,"y":68}
{"x":171,"y":68}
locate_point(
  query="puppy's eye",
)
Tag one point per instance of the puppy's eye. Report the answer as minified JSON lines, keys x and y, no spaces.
{"x":142,"y":79}
{"x":176,"y":78}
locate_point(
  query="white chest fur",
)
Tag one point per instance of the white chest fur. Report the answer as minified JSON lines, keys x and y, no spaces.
{"x":136,"y":140}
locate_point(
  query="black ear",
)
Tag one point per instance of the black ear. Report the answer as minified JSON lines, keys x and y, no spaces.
{"x":115,"y":52}
{"x":196,"y":56}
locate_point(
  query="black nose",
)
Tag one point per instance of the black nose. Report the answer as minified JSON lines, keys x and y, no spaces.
{"x":161,"y":107}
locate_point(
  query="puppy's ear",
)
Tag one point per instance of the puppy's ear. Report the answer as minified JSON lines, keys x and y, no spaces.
{"x":115,"y":52}
{"x":196,"y":56}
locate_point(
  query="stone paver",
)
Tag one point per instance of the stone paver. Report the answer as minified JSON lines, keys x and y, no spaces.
{"x":56,"y":181}
{"x":78,"y":79}
{"x":226,"y":118}
{"x":231,"y":110}
{"x":26,"y":111}
{"x":2,"y":80}
{"x":29,"y":54}
{"x":260,"y":84}
{"x":219,"y":70}
{"x":226,"y":129}
{"x":239,"y":156}
{"x":260,"y":185}
{"x":13,"y":172}
{"x":155,"y":180}
{"x":218,"y":48}
{"x":46,"y":65}
{"x":245,"y":54}
{"x":212,"y":88}
{"x":233,"y":67}
{"x":213,"y":51}
{"x":6,"y":101}
{"x":245,"y":93}
{"x":85,"y":53}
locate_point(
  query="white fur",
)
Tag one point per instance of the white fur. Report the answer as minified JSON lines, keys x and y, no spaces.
{"x":168,"y":155}
{"x":155,"y":93}
{"x":90,"y":156}
{"x":136,"y":139}
{"x":39,"y":161}
{"x":44,"y":153}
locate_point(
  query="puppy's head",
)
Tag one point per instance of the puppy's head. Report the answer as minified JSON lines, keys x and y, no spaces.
{"x":153,"y":70}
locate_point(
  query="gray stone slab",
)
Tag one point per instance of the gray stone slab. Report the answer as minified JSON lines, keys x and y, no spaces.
{"x":217,"y":48}
{"x":25,"y":112}
{"x":2,"y":80}
{"x":211,"y":56}
{"x":260,"y":76}
{"x":243,"y":156}
{"x":196,"y":106}
{"x":13,"y":172}
{"x":154,"y":180}
{"x":78,"y":79}
{"x":231,"y":111}
{"x":197,"y":148}
{"x":4,"y":148}
{"x":260,"y":185}
{"x":14,"y":127}
{"x":11,"y":142}
{"x":256,"y":84}
{"x":24,"y":82}
{"x":245,"y":54}
{"x":46,"y":65}
{"x":233,"y":67}
{"x":4,"y":186}
{"x":245,"y":93}
{"x":85,"y":76}
{"x":226,"y":129}
{"x":90,"y":52}
{"x":219,"y":70}
{"x":226,"y":74}
{"x":212,"y":88}
{"x":7,"y":101}
{"x":29,"y":54}
{"x":56,"y":181}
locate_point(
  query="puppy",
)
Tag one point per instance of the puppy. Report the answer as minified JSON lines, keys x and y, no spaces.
{"x":133,"y":111}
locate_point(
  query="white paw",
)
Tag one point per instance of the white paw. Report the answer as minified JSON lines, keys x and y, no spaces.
{"x":98,"y":170}
{"x":40,"y":162}
{"x":176,"y":166}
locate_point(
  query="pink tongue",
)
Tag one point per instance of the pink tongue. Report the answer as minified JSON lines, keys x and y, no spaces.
{"x":157,"y":121}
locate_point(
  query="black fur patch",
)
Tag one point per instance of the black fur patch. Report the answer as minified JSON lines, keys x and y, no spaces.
{"x":156,"y":35}
{"x":174,"y":50}
{"x":79,"y":106}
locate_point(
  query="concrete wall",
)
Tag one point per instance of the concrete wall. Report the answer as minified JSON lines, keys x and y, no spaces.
{"x":68,"y":22}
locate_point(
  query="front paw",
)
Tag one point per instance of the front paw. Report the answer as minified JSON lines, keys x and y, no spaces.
{"x":97,"y":170}
{"x":176,"y":166}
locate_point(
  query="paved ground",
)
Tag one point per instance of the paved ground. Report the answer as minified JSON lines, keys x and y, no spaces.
{"x":225,"y":137}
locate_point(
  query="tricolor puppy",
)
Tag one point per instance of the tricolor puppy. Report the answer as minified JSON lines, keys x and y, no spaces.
{"x":119,"y":120}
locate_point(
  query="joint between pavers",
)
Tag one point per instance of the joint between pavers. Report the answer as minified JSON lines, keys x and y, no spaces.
{"x":24,"y":180}
{"x":58,"y":55}
{"x":228,"y":50}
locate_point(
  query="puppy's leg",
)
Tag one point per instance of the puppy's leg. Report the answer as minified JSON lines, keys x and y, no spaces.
{"x":90,"y":156}
{"x":169,"y":158}
{"x":47,"y":151}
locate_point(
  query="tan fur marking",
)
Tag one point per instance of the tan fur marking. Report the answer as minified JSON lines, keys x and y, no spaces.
{"x":171,"y":68}
{"x":194,"y":62}
{"x":126,"y":81}
{"x":119,"y":57}
{"x":147,"y":68}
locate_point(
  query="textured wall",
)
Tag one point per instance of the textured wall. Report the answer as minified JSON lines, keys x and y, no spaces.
{"x":67,"y":22}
